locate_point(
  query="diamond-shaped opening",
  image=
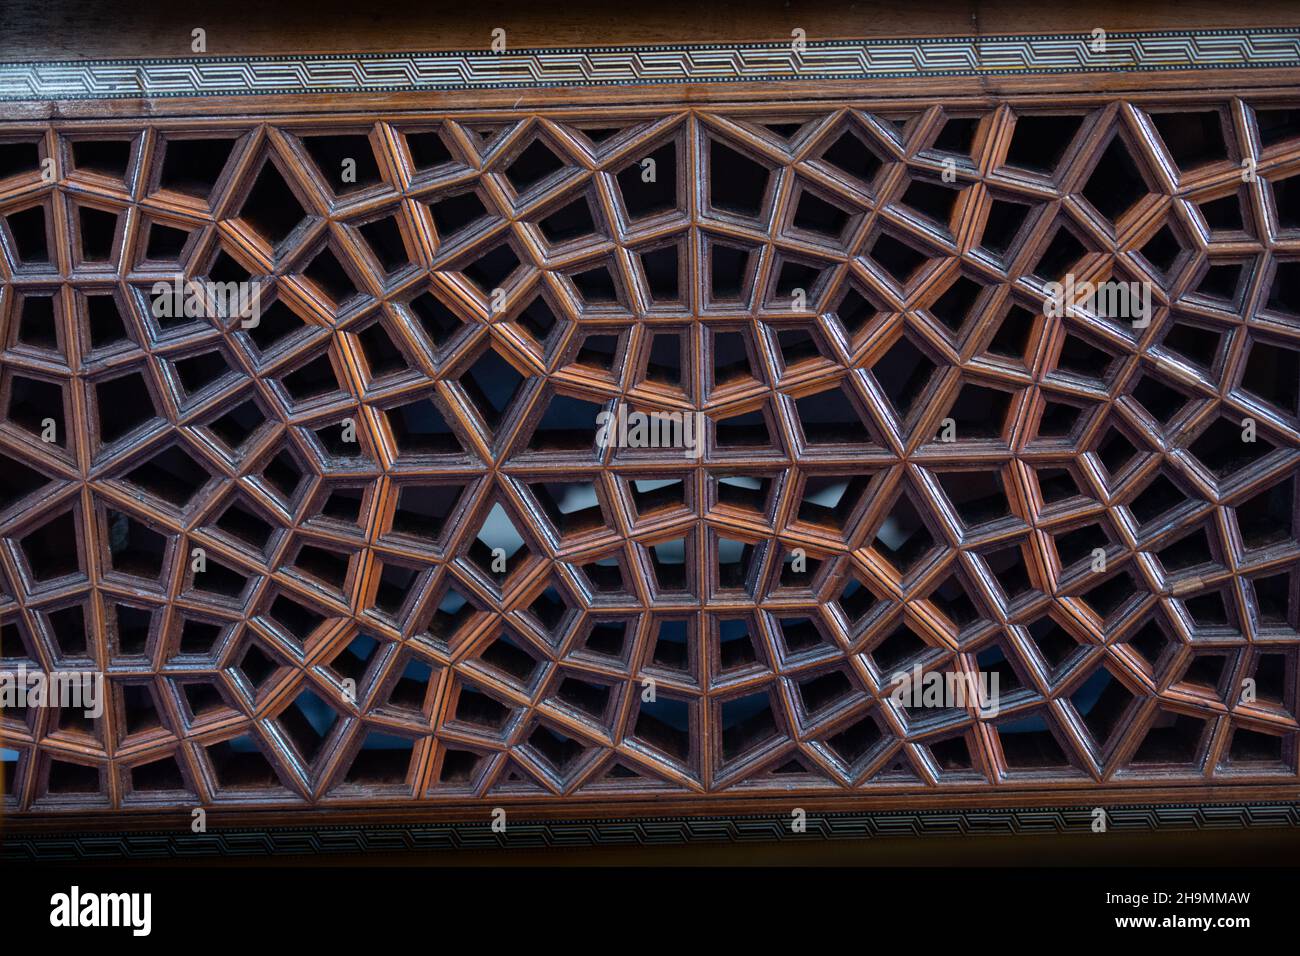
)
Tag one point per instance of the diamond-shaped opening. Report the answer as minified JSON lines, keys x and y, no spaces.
{"x":1253,"y":747}
{"x":51,"y":548}
{"x":19,"y":158}
{"x":800,"y":634}
{"x":1115,"y":183}
{"x":664,"y":271}
{"x":1039,"y":141}
{"x":196,"y":372}
{"x":856,"y":600}
{"x":1196,"y":344}
{"x":133,"y":547}
{"x":1079,"y":356}
{"x":423,"y":510}
{"x":854,"y":743}
{"x":930,"y":201}
{"x":410,"y":689}
{"x":257,"y":666}
{"x":952,"y":754}
{"x":746,"y":429}
{"x":433,"y":316}
{"x":346,"y":161}
{"x":1029,"y":744}
{"x":820,"y":215}
{"x":573,"y":506}
{"x":427,"y":148}
{"x":903,"y":374}
{"x":666,"y":725}
{"x":492,"y":268}
{"x":730,"y":270}
{"x":239,"y":764}
{"x":1276,"y":599}
{"x":825,"y":692}
{"x":382,"y":356}
{"x":952,"y":599}
{"x":294,"y":618}
{"x":512,"y":658}
{"x":738,"y":647}
{"x":567,"y":424}
{"x":34,"y":404}
{"x":1223,"y":449}
{"x":903,"y":538}
{"x":354,"y":659}
{"x":1103,"y":703}
{"x":589,"y":698}
{"x":492,"y":385}
{"x":308,"y":723}
{"x":420,"y":428}
{"x":1014,"y":335}
{"x":193,"y":166}
{"x":652,"y":496}
{"x":97,"y":232}
{"x":897,"y":258}
{"x":1172,"y":738}
{"x":166,"y":243}
{"x":276,"y":327}
{"x":123,"y":404}
{"x":978,"y":497}
{"x":326,"y":565}
{"x":849,"y":154}
{"x":67,"y":777}
{"x":67,"y":626}
{"x":830,"y":500}
{"x":456,"y":214}
{"x":1150,"y":641}
{"x":1269,"y":517}
{"x":670,"y":564}
{"x":738,"y":184}
{"x":29,"y":229}
{"x":1114,"y":596}
{"x":383,"y":236}
{"x":312,"y":379}
{"x":1224,"y":213}
{"x":497,"y":548}
{"x":537,"y":162}
{"x":1157,"y":498}
{"x":955,"y":306}
{"x":17,"y":481}
{"x":649,"y":189}
{"x":560,"y":753}
{"x":1003,"y":225}
{"x":1058,"y":420}
{"x":980,"y":412}
{"x":747,"y":723}
{"x":898,"y":650}
{"x":396,"y":586}
{"x":1054,"y":643}
{"x":382,"y":760}
{"x":329,"y":276}
{"x":1273,"y":374}
{"x":247,"y":524}
{"x":271,"y":208}
{"x":608,"y":637}
{"x":1061,"y":254}
{"x":996,"y":662}
{"x":172,"y":475}
{"x":1164,"y":250}
{"x":1193,"y":138}
{"x":856,"y":310}
{"x":1079,"y":544}
{"x":202,"y":699}
{"x":461,"y":769}
{"x":832,"y":417}
{"x":1213,"y":610}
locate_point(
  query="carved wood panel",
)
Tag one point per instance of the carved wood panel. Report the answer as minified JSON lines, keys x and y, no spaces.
{"x":369,"y":550}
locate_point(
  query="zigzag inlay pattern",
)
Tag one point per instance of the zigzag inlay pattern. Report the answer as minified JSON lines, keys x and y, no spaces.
{"x":701,"y":63}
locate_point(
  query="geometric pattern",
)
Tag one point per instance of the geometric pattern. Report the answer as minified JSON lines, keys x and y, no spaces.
{"x":468,"y":602}
{"x":858,"y":59}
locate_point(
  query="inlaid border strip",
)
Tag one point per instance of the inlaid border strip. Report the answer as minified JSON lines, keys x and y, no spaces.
{"x":867,"y":59}
{"x":662,"y":831}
